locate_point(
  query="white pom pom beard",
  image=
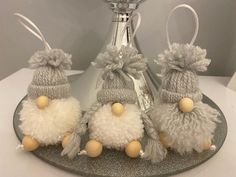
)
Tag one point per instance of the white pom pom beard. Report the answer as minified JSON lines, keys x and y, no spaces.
{"x":49,"y":125}
{"x":185,"y":131}
{"x":116,"y":132}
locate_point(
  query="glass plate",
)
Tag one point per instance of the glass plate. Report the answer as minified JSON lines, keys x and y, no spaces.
{"x":115,"y":163}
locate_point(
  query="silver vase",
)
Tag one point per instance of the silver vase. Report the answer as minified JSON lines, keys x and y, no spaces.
{"x":85,"y":87}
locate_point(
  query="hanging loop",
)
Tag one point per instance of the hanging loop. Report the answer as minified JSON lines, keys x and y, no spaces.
{"x":33,"y":29}
{"x":128,"y":23}
{"x":196,"y":22}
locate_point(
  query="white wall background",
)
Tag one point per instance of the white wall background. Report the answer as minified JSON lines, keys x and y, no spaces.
{"x":80,"y":28}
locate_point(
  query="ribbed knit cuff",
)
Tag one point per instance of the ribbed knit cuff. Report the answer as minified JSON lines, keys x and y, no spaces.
{"x":173,"y":97}
{"x":52,"y":92}
{"x":117,"y":95}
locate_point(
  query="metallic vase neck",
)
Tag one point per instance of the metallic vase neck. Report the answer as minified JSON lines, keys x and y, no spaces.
{"x":120,"y":17}
{"x":115,"y":36}
{"x":123,"y":6}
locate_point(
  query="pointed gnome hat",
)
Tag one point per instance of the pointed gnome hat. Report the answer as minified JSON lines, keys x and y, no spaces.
{"x":118,"y":66}
{"x":179,"y":66}
{"x":49,"y":78}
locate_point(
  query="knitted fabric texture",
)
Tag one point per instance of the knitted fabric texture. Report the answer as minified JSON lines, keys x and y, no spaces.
{"x":179,"y":67}
{"x":49,"y":77}
{"x":118,"y":65}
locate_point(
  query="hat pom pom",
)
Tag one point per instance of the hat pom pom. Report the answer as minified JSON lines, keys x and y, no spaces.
{"x":182,"y":57}
{"x":127,"y":59}
{"x":134,"y":63}
{"x":56,"y":58}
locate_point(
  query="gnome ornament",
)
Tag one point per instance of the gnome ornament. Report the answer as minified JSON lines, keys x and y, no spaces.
{"x":185,"y":123}
{"x":116,"y":121}
{"x":50,"y":113}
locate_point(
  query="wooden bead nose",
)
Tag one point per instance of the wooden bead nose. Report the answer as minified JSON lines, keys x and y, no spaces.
{"x":42,"y":102}
{"x":117,"y":109}
{"x":186,"y":105}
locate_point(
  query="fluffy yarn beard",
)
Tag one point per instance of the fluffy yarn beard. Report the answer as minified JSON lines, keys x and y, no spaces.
{"x":185,"y":131}
{"x":116,"y":132}
{"x":49,"y":125}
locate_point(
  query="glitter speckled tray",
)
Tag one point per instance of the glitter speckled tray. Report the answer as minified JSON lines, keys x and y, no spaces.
{"x":114,"y":163}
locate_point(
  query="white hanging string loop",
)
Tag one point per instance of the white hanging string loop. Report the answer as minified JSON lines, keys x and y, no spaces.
{"x":35,"y":31}
{"x":196,"y":22}
{"x":128,"y":23}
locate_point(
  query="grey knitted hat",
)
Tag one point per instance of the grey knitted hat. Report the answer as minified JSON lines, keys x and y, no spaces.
{"x":49,"y":77}
{"x":179,"y":67}
{"x":118,"y":66}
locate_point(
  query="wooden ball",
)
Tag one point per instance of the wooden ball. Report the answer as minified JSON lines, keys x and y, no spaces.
{"x":93,"y":148}
{"x":42,"y":102}
{"x":65,"y":140}
{"x":29,"y":143}
{"x":163,"y":139}
{"x":206,"y":144}
{"x":117,"y":109}
{"x":133,"y":149}
{"x":186,"y":105}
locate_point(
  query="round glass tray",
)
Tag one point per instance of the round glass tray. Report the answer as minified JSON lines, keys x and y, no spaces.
{"x":115,"y":163}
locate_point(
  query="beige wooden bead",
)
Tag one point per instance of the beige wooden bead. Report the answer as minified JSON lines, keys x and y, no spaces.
{"x":93,"y":148}
{"x":42,"y":102}
{"x":133,"y":149}
{"x":186,"y":105}
{"x":117,"y":109}
{"x":65,"y":140}
{"x":163,"y":139}
{"x":206,"y":144}
{"x":29,"y":143}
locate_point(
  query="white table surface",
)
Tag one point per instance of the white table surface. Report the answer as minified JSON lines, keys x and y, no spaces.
{"x":14,"y":163}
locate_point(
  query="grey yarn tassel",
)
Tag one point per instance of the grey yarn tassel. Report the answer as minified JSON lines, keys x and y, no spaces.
{"x":154,"y":150}
{"x":73,"y":147}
